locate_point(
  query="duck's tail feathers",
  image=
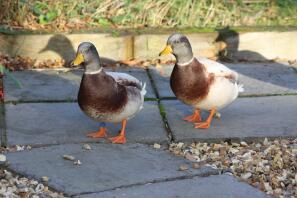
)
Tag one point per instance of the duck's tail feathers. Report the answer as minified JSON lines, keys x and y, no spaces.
{"x":143,"y":91}
{"x":240,"y":88}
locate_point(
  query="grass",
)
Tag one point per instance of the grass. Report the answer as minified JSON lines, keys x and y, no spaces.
{"x":78,"y":14}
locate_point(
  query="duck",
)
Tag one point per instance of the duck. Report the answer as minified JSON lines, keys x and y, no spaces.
{"x":199,"y":82}
{"x":112,"y":97}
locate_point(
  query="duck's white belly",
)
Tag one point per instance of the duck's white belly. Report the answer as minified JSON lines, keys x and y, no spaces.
{"x":133,"y":106}
{"x":221,"y":93}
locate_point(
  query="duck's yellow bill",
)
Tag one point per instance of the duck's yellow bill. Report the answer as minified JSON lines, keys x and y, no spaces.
{"x":78,"y":59}
{"x":167,"y":50}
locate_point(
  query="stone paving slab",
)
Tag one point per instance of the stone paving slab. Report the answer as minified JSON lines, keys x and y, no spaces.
{"x":53,"y":123}
{"x":257,"y":78}
{"x":246,"y":118}
{"x":103,"y":168}
{"x":57,"y":84}
{"x":215,"y":186}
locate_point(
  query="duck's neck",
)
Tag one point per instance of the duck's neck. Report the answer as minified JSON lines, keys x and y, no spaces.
{"x":93,"y":66}
{"x":185,"y":62}
{"x":185,"y":58}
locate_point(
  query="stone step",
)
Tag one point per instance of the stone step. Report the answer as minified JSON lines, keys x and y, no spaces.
{"x":245,"y":119}
{"x":52,"y":85}
{"x":214,"y":186}
{"x":257,"y":79}
{"x":105,"y":167}
{"x":56,"y":123}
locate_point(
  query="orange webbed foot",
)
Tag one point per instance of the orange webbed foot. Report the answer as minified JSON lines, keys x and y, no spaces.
{"x":98,"y":134}
{"x":202,"y":125}
{"x":193,"y":118}
{"x":206,"y":124}
{"x":120,"y":139}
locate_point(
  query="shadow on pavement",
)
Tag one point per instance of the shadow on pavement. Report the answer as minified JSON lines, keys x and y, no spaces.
{"x":261,"y":69}
{"x":61,"y":45}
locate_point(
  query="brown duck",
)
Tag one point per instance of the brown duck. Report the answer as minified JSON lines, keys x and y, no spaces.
{"x":107,"y":96}
{"x":200,"y":82}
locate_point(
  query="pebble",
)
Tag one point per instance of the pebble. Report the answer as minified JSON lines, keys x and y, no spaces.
{"x":216,"y":146}
{"x":235,"y":144}
{"x":246,"y":175}
{"x":2,"y":158}
{"x":8,"y":175}
{"x":233,"y":150}
{"x":265,"y":142}
{"x":23,"y":190}
{"x":45,"y":178}
{"x":33,"y":182}
{"x":20,"y":148}
{"x":68,"y":157}
{"x":77,"y":162}
{"x":190,"y":157}
{"x":246,"y":156}
{"x":183,"y":167}
{"x":87,"y":147}
{"x":196,"y":165}
{"x":157,"y":146}
{"x":180,"y":145}
{"x":218,"y":115}
{"x":39,"y":188}
{"x":294,"y":152}
{"x":243,"y":144}
{"x":267,"y":186}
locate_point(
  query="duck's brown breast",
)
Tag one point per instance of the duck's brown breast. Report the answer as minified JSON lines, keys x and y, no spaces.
{"x":189,"y":83}
{"x":100,"y":94}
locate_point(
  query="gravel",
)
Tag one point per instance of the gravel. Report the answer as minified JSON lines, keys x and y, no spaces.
{"x":270,"y":166}
{"x":14,"y":186}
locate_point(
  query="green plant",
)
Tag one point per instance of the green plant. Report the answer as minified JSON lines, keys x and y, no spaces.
{"x":148,"y":13}
{"x":44,"y":13}
{"x":6,"y":72}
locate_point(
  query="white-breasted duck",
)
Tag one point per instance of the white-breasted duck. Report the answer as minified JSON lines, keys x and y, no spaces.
{"x":107,"y":96}
{"x":200,"y":82}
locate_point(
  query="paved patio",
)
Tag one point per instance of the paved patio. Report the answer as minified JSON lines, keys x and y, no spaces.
{"x":45,"y":115}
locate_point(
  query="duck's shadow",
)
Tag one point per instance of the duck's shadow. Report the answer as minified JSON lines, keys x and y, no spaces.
{"x":259,"y":68}
{"x":61,"y":45}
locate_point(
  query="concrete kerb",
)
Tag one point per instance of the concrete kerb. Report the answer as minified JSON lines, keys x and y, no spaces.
{"x":248,"y":46}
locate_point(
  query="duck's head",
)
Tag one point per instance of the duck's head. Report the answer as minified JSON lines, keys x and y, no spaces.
{"x":88,"y":56}
{"x":178,"y":45}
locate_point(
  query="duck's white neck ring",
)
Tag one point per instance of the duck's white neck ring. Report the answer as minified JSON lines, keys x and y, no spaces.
{"x":186,"y":63}
{"x":94,"y":72}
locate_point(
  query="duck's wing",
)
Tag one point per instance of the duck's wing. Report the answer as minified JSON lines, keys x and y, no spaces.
{"x":218,"y":69}
{"x":128,"y":80}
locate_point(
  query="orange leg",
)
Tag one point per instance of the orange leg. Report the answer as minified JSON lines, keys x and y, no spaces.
{"x":98,"y":134}
{"x":195,"y":117}
{"x":120,"y":139}
{"x":206,"y":124}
